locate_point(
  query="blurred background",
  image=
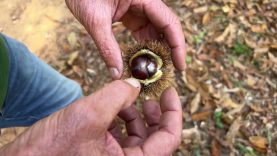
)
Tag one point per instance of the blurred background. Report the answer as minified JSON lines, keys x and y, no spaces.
{"x":228,"y":92}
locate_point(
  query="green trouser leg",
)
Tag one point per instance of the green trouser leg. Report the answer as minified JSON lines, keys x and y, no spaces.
{"x":4,"y":70}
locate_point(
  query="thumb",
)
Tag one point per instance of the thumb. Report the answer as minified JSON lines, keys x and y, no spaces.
{"x":104,"y":105}
{"x":108,"y":47}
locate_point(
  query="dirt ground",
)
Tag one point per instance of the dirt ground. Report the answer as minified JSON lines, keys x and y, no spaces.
{"x":228,"y":92}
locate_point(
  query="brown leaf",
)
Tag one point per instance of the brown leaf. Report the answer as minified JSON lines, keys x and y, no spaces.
{"x":272,"y":58}
{"x":237,"y":64}
{"x":227,"y":102}
{"x":233,"y":130}
{"x":201,"y":9}
{"x":274,"y":46}
{"x":195,"y":103}
{"x":259,"y":28}
{"x":215,"y":148}
{"x":258,"y":141}
{"x":230,"y":28}
{"x":201,"y":116}
{"x":250,"y":81}
{"x":206,"y":18}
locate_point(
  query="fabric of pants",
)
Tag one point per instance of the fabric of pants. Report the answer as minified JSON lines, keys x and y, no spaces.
{"x":35,"y":89}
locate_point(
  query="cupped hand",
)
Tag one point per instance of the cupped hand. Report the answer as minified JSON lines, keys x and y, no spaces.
{"x":147,"y":19}
{"x":85,"y":127}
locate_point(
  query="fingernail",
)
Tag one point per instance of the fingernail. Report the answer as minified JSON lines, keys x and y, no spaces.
{"x":114,"y":73}
{"x":133,"y":82}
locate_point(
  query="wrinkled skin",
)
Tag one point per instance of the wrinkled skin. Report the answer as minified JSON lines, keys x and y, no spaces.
{"x":146,"y":19}
{"x":86,"y":127}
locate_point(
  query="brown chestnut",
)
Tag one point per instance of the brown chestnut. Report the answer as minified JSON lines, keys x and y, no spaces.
{"x":143,"y":67}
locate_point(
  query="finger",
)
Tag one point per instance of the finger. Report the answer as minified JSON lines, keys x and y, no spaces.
{"x":135,"y":127}
{"x":107,"y":46}
{"x":115,"y":131}
{"x":168,"y":137}
{"x":165,"y":20}
{"x":152,"y":114}
{"x":101,"y":108}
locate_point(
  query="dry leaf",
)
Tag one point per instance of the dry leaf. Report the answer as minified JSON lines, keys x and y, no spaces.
{"x":190,"y":82}
{"x":192,"y":133}
{"x":226,"y":8}
{"x":226,"y":101}
{"x":258,"y":141}
{"x":259,"y":51}
{"x":195,"y":103}
{"x":230,"y":28}
{"x":72,"y":57}
{"x":200,"y":9}
{"x":272,"y":58}
{"x":215,"y":148}
{"x":256,"y":108}
{"x":274,"y":46}
{"x":251,"y":44}
{"x":250,"y":81}
{"x":237,"y":64}
{"x":201,"y":116}
{"x":233,"y":131}
{"x":206,"y":18}
{"x":259,"y":28}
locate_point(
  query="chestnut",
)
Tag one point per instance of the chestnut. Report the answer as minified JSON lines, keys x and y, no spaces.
{"x":143,"y":67}
{"x":150,"y":63}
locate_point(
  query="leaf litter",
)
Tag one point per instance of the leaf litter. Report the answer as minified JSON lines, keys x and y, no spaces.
{"x":228,"y":91}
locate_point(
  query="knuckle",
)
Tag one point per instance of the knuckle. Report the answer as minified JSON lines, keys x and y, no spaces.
{"x":106,"y":52}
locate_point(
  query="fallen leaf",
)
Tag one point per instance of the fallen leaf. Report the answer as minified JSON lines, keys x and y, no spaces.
{"x":191,"y":133}
{"x":259,"y":28}
{"x":201,"y":9}
{"x":272,"y":58}
{"x":259,"y":51}
{"x":274,"y":46}
{"x":227,"y":102}
{"x":72,"y":39}
{"x":215,"y":148}
{"x":230,"y":28}
{"x":201,"y":116}
{"x":206,"y":18}
{"x":250,"y":81}
{"x":195,"y":103}
{"x":233,"y":131}
{"x":72,"y":57}
{"x":258,"y":141}
{"x":226,"y":8}
{"x":252,"y":44}
{"x":237,"y":64}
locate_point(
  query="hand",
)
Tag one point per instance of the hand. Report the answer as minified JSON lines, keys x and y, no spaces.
{"x":147,"y":19}
{"x":83,"y":127}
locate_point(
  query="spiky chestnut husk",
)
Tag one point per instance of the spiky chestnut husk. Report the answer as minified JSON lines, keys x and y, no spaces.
{"x":153,"y":84}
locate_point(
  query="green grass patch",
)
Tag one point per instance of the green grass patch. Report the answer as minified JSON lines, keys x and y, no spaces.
{"x":256,"y":64}
{"x":198,"y":39}
{"x":217,"y":119}
{"x":188,"y":59}
{"x":241,"y":49}
{"x":246,"y":149}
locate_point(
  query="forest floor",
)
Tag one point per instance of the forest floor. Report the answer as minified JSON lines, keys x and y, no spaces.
{"x":228,"y":92}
